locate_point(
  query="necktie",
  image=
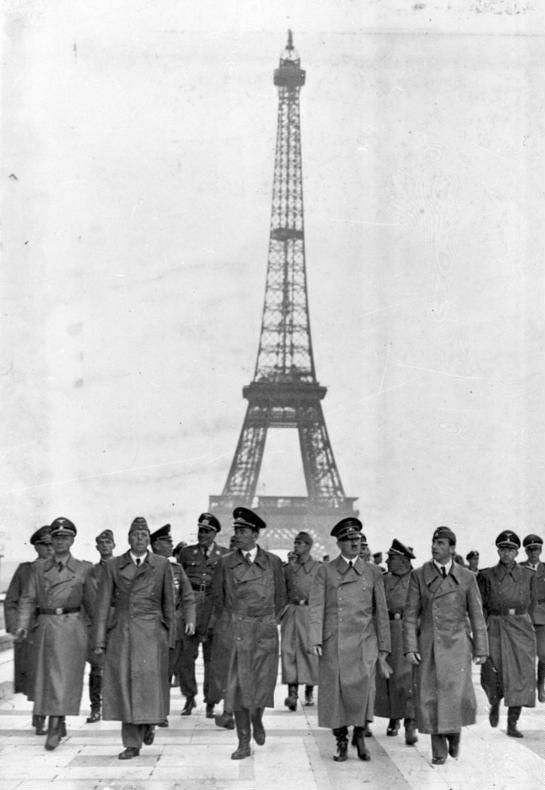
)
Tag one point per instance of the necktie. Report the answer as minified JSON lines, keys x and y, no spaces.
{"x":59,"y":566}
{"x":248,"y":557}
{"x":138,"y":561}
{"x":349,"y":564}
{"x":443,"y":571}
{"x":205,"y":552}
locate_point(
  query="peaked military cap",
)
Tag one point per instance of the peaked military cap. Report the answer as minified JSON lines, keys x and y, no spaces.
{"x":304,"y":537}
{"x":243,"y":517}
{"x":397,"y":547}
{"x":162,"y":532}
{"x":40,"y":535}
{"x":471,"y":554}
{"x":532,"y":542}
{"x":63,"y":526}
{"x":139,"y":523}
{"x":209,"y":521}
{"x":508,"y":540}
{"x":445,"y":532}
{"x":106,"y":534}
{"x":347,"y":528}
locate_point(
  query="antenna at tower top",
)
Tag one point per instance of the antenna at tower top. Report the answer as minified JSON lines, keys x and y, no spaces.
{"x":289,"y":53}
{"x":290,"y":40}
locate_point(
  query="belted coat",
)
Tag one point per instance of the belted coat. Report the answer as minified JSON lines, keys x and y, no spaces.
{"x":395,"y":696}
{"x":136,"y":638}
{"x":250,"y":600}
{"x":443,"y":621}
{"x":59,"y":640}
{"x":199,"y":569}
{"x":510,"y":670}
{"x":22,"y":650}
{"x":349,"y":619}
{"x":299,"y":665}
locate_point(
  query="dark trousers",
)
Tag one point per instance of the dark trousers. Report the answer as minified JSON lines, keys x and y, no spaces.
{"x":95,"y":686}
{"x":540,"y":642}
{"x":186,"y":665}
{"x":133,"y":734}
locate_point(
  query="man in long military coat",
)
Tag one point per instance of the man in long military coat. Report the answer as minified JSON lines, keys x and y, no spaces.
{"x":60,"y":595}
{"x":533,"y":545}
{"x":184,"y":599}
{"x":508,"y":595}
{"x":299,"y":665}
{"x":23,"y":653}
{"x":105,"y":545}
{"x":249,"y":587}
{"x":437,"y":640}
{"x":136,"y":639}
{"x":395,"y":696}
{"x":349,"y":630}
{"x":199,"y":561}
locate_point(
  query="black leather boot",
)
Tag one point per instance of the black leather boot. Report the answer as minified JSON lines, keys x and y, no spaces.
{"x":341,"y":734}
{"x":62,"y":727}
{"x":541,"y":681}
{"x":188,"y":707}
{"x":410,"y":732}
{"x":53,"y":733}
{"x":291,"y":700}
{"x":359,"y":739}
{"x":494,"y":714}
{"x":94,"y":716}
{"x":209,"y":710}
{"x":454,"y":743}
{"x":439,"y":749}
{"x":256,"y":717}
{"x":242,"y":721}
{"x":38,"y":722}
{"x":309,"y":694}
{"x":512,"y":718}
{"x":393,"y":727}
{"x":226,"y":720}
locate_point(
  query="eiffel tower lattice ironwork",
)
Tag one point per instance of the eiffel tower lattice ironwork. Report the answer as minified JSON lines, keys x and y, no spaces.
{"x":284,"y":391}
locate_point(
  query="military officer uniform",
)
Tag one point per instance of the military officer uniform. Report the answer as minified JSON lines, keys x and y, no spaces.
{"x":199,"y":562}
{"x":349,"y":630}
{"x":533,"y":545}
{"x":299,"y":665}
{"x":396,"y":696}
{"x":508,"y":595}
{"x":23,"y":649}
{"x":60,"y":595}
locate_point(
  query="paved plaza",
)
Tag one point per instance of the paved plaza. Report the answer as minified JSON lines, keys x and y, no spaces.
{"x":195,"y":754}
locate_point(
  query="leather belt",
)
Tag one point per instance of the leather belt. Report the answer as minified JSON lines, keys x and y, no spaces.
{"x":60,"y":610}
{"x":302,"y":602}
{"x":507,"y":611}
{"x":395,"y":615}
{"x":200,"y":587}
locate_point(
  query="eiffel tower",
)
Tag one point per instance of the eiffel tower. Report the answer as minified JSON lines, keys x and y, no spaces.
{"x":284,"y":392}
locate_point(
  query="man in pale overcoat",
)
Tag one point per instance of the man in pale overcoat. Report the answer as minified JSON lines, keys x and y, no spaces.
{"x":60,"y":595}
{"x":249,"y":588}
{"x":299,"y":665}
{"x":23,"y":649}
{"x":349,"y":630}
{"x":443,"y":625}
{"x":136,"y":639}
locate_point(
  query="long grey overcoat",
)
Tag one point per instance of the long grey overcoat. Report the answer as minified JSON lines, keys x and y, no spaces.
{"x":299,"y":665}
{"x":443,"y":621}
{"x":349,"y":618}
{"x":250,"y":599}
{"x":59,"y":640}
{"x":135,"y":682}
{"x":22,"y":649}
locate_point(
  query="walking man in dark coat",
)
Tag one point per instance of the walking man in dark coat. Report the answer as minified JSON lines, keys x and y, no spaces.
{"x":396,"y":696}
{"x":105,"y":546}
{"x":199,"y":562}
{"x":184,"y":599}
{"x":136,"y":639}
{"x":533,"y":544}
{"x":249,"y":588}
{"x":349,"y":631}
{"x":23,"y":652}
{"x":442,"y":602}
{"x":299,"y":665}
{"x":61,"y":594}
{"x":508,"y":594}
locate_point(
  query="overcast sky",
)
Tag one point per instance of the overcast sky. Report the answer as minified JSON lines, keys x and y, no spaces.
{"x":138,"y":142}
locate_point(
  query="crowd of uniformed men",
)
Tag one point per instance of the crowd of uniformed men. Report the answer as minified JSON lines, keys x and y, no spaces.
{"x":396,"y":643}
